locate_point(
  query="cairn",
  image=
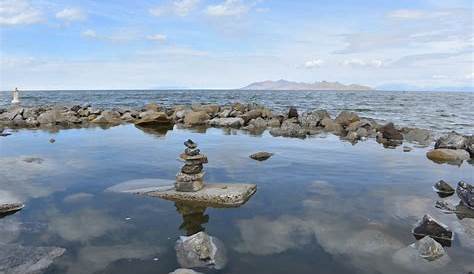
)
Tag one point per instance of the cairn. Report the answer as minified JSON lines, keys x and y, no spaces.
{"x":190,"y":179}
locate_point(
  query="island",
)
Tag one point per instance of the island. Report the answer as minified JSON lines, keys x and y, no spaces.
{"x":289,"y":85}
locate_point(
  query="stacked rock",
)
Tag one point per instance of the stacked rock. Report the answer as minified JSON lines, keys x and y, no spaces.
{"x":190,"y":179}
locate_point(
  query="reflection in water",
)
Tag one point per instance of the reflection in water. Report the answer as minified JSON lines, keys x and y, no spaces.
{"x":158,"y":130}
{"x":193,"y":217}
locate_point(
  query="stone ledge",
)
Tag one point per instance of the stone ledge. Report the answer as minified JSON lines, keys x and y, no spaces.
{"x":212,"y":195}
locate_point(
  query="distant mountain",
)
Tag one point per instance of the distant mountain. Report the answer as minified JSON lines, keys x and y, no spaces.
{"x":288,"y":85}
{"x":406,"y":87}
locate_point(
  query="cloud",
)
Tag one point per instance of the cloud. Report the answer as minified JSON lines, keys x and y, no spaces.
{"x":178,"y":7}
{"x":228,"y":8}
{"x":157,"y":37}
{"x":374,"y":63}
{"x":439,"y":76}
{"x":71,"y":14}
{"x":18,"y":12}
{"x":412,"y":14}
{"x":313,"y":63}
{"x":470,"y":76}
{"x":89,"y":34}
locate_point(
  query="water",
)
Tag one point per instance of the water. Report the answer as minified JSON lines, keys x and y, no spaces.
{"x":438,"y":111}
{"x":322,"y":205}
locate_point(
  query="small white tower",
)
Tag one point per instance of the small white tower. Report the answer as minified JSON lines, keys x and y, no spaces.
{"x":16,"y":96}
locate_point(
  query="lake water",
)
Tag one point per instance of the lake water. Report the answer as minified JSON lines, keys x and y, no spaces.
{"x":322,"y":205}
{"x":438,"y":111}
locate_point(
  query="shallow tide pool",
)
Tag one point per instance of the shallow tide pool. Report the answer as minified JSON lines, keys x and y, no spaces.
{"x":322,"y":205}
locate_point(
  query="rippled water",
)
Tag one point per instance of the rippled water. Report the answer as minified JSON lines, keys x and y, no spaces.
{"x":439,"y":111}
{"x":322,"y":205}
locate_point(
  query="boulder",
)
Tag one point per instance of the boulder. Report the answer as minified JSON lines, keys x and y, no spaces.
{"x":428,"y":226}
{"x":452,"y":140}
{"x":274,"y":122}
{"x":345,"y":118}
{"x":261,"y":156}
{"x":196,"y":118}
{"x":443,"y":188}
{"x":313,"y":119}
{"x":442,"y":155}
{"x":470,"y":145}
{"x":258,"y":123}
{"x":153,"y":107}
{"x":289,"y":128}
{"x":292,"y":113}
{"x":108,"y":117}
{"x":225,"y":113}
{"x":390,"y":132}
{"x":465,"y":192}
{"x":429,"y":249}
{"x":418,"y":135}
{"x":234,"y":122}
{"x":153,"y":118}
{"x":200,"y":250}
{"x":50,"y":117}
{"x":250,"y":115}
{"x":209,"y":109}
{"x":331,"y":126}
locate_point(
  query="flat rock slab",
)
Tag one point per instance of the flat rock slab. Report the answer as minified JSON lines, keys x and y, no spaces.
{"x":213,"y":195}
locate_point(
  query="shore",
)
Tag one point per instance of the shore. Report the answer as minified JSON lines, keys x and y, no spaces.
{"x":451,"y":147}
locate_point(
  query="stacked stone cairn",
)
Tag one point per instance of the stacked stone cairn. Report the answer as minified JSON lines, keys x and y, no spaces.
{"x":190,"y":179}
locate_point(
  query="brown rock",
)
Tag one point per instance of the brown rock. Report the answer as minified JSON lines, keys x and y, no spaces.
{"x":447,"y":155}
{"x":192,"y":169}
{"x":196,"y":118}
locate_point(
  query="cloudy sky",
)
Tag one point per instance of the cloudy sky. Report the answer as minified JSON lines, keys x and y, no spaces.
{"x":124,"y":44}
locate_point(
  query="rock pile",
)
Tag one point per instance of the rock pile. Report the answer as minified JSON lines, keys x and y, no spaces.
{"x":190,"y":179}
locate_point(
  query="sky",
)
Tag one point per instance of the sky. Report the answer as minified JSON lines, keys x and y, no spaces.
{"x":122,"y":44}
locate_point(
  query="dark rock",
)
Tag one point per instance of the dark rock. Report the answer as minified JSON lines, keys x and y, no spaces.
{"x":428,"y":226}
{"x":261,"y":156}
{"x":30,"y":160}
{"x":292,"y":113}
{"x":7,"y":209}
{"x":452,"y":140}
{"x":192,"y":152}
{"x":443,"y":188}
{"x":390,"y":132}
{"x":407,"y":149}
{"x":465,"y":192}
{"x":190,"y":144}
{"x":52,"y":140}
{"x":76,"y":108}
{"x":470,"y":145}
{"x":192,"y":169}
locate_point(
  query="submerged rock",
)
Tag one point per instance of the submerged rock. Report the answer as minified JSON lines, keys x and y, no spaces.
{"x":184,"y":271}
{"x":18,"y":259}
{"x":261,"y":156}
{"x":444,"y":188}
{"x":429,"y":249}
{"x":417,"y":135}
{"x":442,"y":155}
{"x":465,"y":192}
{"x":428,"y":226}
{"x":200,"y":250}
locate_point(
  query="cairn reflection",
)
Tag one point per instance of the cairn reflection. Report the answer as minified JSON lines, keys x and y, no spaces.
{"x":193,"y":217}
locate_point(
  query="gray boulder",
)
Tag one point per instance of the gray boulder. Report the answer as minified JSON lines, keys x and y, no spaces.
{"x":429,"y":249}
{"x":50,"y":117}
{"x":345,"y":118}
{"x":465,"y":192}
{"x":200,"y":250}
{"x":313,"y":119}
{"x":108,"y":117}
{"x":234,"y":122}
{"x":289,"y":128}
{"x":418,"y":135}
{"x":331,"y":126}
{"x":452,"y":140}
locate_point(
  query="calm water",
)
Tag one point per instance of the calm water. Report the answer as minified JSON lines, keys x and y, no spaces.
{"x":322,"y":205}
{"x":438,"y":111}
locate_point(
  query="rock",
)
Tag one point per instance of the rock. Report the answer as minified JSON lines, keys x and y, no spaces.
{"x":407,"y":149}
{"x":154,"y":107}
{"x":331,"y":126}
{"x":52,"y":140}
{"x":274,"y":122}
{"x":50,"y":117}
{"x":192,"y":151}
{"x":417,"y":135}
{"x":313,"y":119}
{"x":261,"y":156}
{"x":470,"y":145}
{"x":214,"y":195}
{"x":190,"y":144}
{"x":233,"y":122}
{"x":128,"y":117}
{"x":10,"y":208}
{"x":250,"y":115}
{"x":442,"y":155}
{"x":428,"y":226}
{"x":200,"y":250}
{"x":258,"y":123}
{"x":292,"y":113}
{"x":390,"y":132}
{"x":465,"y":192}
{"x":108,"y":117}
{"x":196,"y":118}
{"x":345,"y":118}
{"x":184,"y":271}
{"x":351,"y":137}
{"x":189,"y":182}
{"x":18,"y":259}
{"x":225,"y":113}
{"x":76,"y":108}
{"x":409,"y":259}
{"x":289,"y":128}
{"x":443,"y":188}
{"x":192,"y":169}
{"x":209,"y":109}
{"x":452,"y":140}
{"x":429,"y":249}
{"x":153,"y":118}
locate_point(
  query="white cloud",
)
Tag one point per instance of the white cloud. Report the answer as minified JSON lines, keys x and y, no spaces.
{"x":375,"y":63}
{"x":313,"y":63}
{"x":439,"y":76}
{"x":470,"y":76}
{"x":157,"y":37}
{"x":406,"y":14}
{"x":228,"y":8}
{"x":184,"y":7}
{"x":89,"y":34}
{"x":157,"y":11}
{"x":71,"y":14}
{"x":18,"y":12}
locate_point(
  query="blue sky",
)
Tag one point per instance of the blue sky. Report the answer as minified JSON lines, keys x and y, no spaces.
{"x":230,"y":43}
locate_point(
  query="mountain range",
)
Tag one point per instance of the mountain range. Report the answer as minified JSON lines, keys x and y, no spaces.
{"x":289,"y":85}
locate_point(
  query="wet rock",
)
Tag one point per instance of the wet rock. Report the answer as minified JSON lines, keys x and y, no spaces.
{"x":331,"y":126}
{"x":10,"y":208}
{"x":429,"y":249}
{"x":18,"y":259}
{"x":407,"y":149}
{"x":184,"y":271}
{"x":443,"y":188}
{"x":190,"y":144}
{"x":465,"y":192}
{"x":452,"y":140}
{"x":442,"y":155}
{"x":200,"y":250}
{"x":261,"y":156}
{"x":345,"y":118}
{"x":233,"y":122}
{"x":196,"y":118}
{"x":470,"y":145}
{"x":461,"y":210}
{"x":127,"y":116}
{"x":52,"y":140}
{"x":108,"y":117}
{"x":428,"y":226}
{"x":153,"y":118}
{"x":417,"y":135}
{"x":292,"y":113}
{"x":409,"y":258}
{"x":250,"y":115}
{"x":289,"y":128}
{"x":390,"y":132}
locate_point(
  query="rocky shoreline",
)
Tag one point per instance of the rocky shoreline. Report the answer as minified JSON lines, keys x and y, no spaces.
{"x":255,"y":118}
